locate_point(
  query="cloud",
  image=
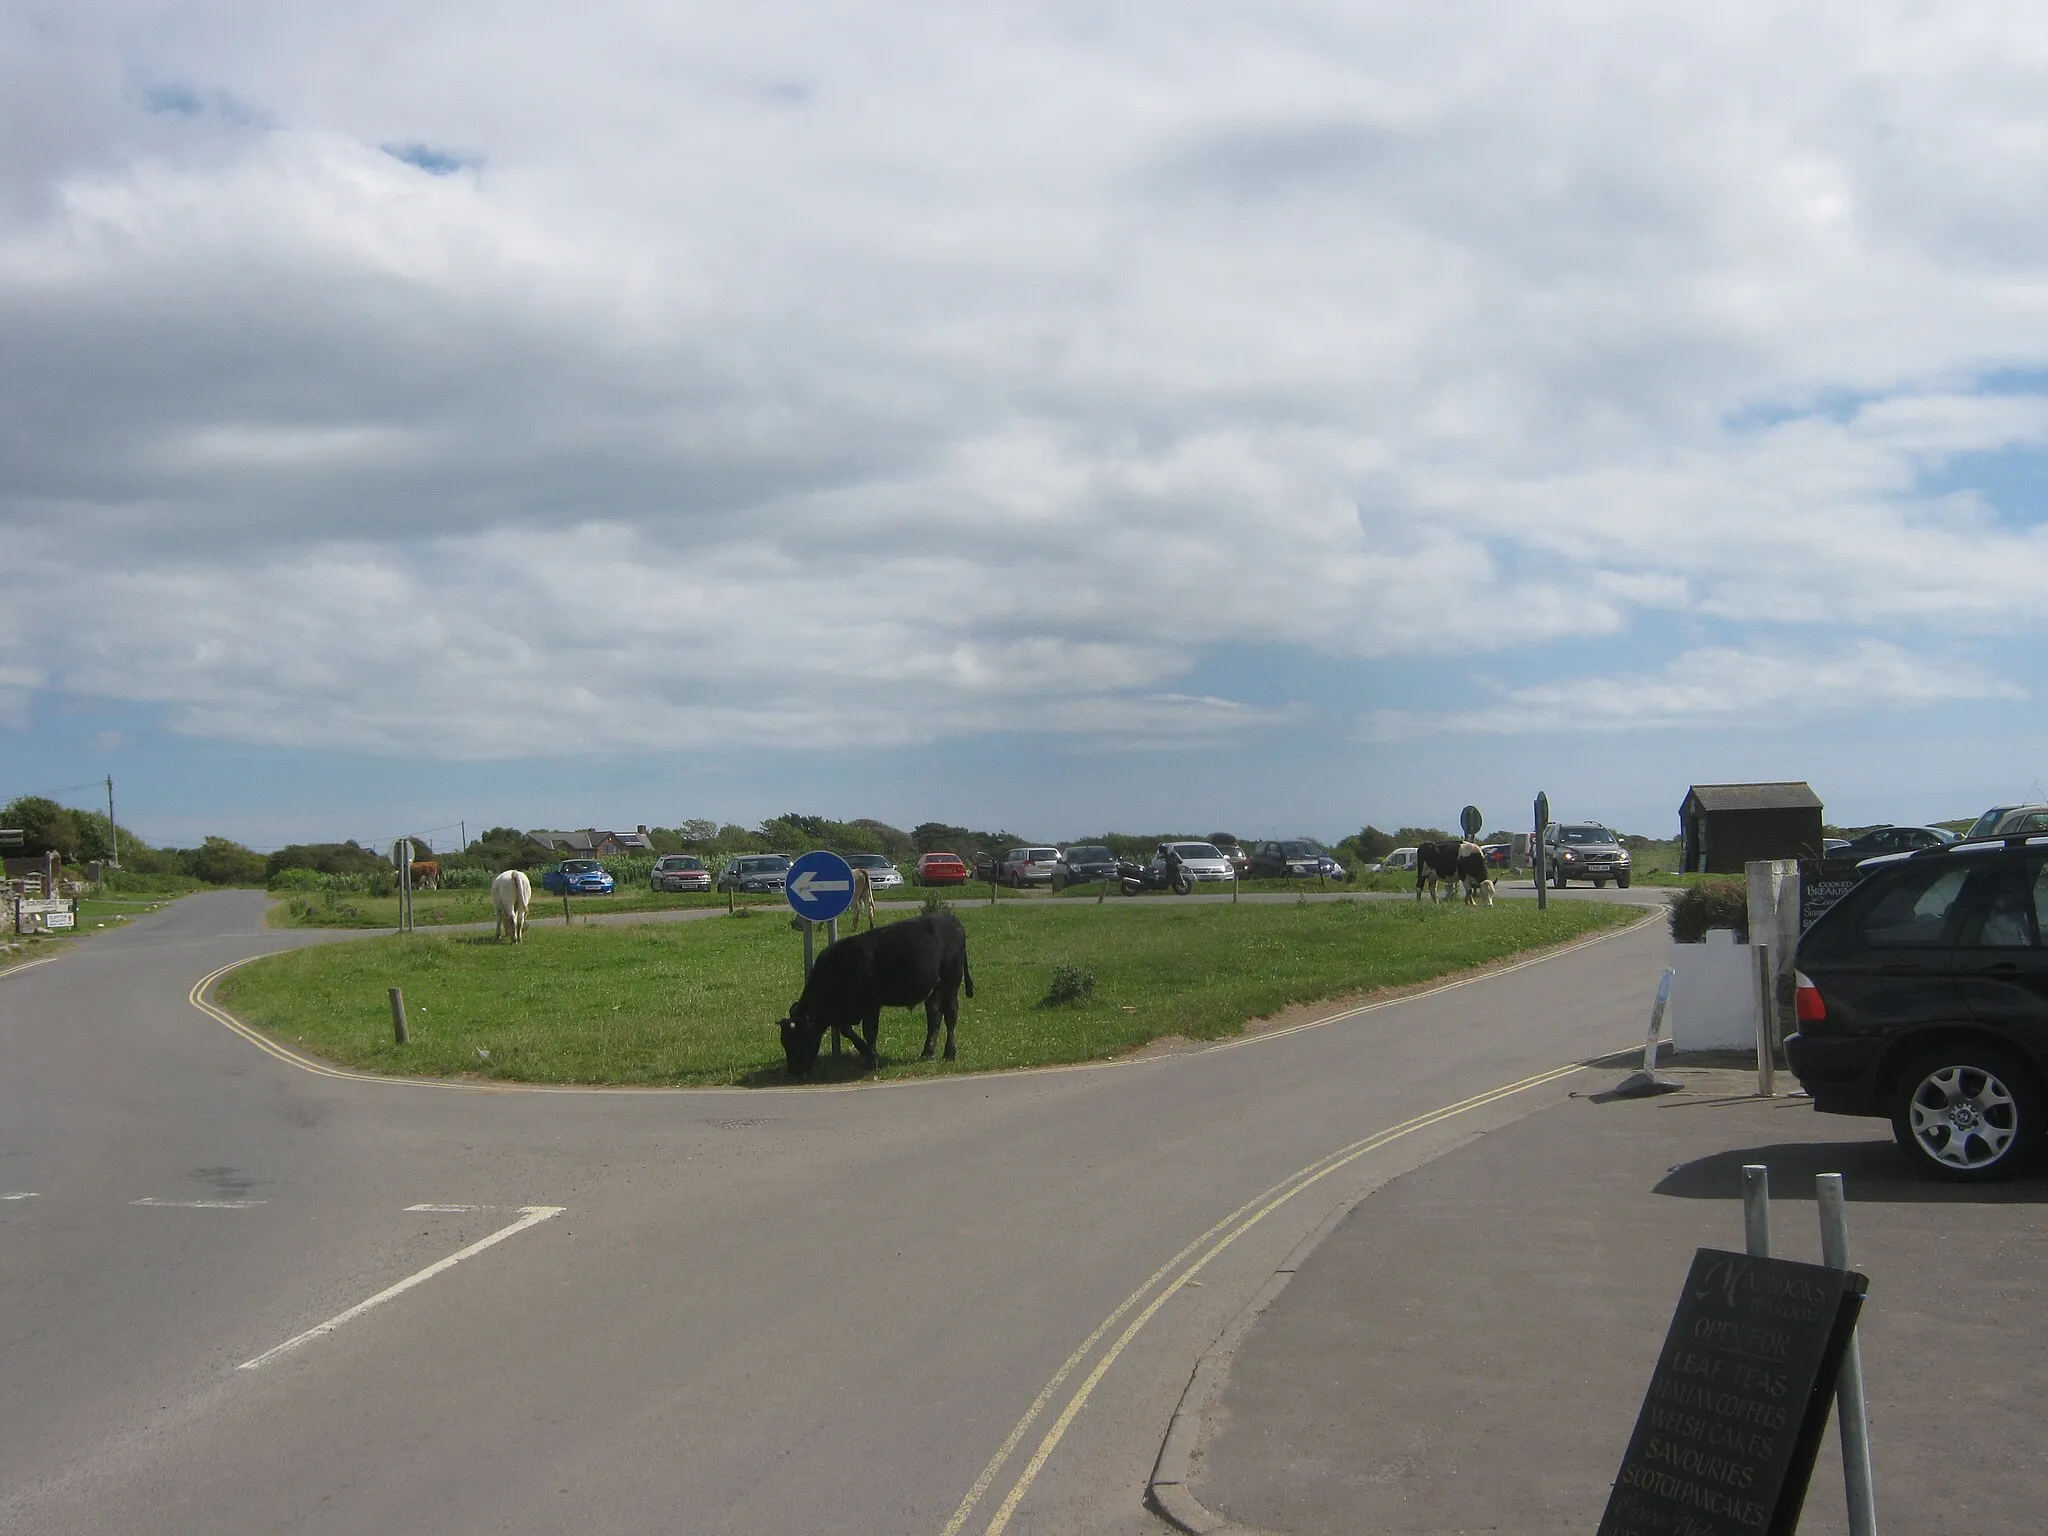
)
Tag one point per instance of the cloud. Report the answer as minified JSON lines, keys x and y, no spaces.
{"x":1719,"y":687}
{"x":810,"y":375}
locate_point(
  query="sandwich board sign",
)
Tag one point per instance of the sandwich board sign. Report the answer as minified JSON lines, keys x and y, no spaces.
{"x":819,"y":886}
{"x":1725,"y":1442}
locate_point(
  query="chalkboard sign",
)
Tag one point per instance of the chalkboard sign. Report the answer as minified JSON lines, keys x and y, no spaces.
{"x":1729,"y":1428}
{"x":1822,"y":883}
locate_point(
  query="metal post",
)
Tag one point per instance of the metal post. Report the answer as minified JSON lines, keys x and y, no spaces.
{"x":1536,"y":849}
{"x":398,"y":1016}
{"x":832,"y":931}
{"x":1645,"y":1082}
{"x":1852,"y":1415}
{"x":1756,"y":1210}
{"x":1766,"y":1033}
{"x":113,"y":827}
{"x":807,"y":946}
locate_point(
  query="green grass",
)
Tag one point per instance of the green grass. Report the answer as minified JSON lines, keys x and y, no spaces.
{"x":438,"y":909}
{"x":697,"y":1002}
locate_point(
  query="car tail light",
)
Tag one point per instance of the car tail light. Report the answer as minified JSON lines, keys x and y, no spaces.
{"x":1807,"y":1004}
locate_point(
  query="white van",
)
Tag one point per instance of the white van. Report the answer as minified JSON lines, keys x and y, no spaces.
{"x":1399,"y":859}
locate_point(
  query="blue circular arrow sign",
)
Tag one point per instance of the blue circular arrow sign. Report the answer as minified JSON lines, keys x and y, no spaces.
{"x":819,"y":886}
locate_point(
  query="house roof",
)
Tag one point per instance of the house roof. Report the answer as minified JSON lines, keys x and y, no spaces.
{"x":1792,"y":795}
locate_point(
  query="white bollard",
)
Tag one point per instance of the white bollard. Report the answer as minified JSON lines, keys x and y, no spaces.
{"x":1643,"y":1083}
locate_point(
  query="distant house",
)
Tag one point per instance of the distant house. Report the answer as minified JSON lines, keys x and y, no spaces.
{"x":1724,"y":826}
{"x":593,"y":844}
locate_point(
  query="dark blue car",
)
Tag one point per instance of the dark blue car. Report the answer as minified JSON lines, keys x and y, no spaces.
{"x":576,"y":877}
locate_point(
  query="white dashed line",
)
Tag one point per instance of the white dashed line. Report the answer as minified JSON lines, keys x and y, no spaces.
{"x":201,"y":1205}
{"x":451,"y":1208}
{"x":27,"y":1194}
{"x":531,"y":1216}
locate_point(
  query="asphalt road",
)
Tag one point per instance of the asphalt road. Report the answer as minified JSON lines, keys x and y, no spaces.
{"x":815,"y":1310}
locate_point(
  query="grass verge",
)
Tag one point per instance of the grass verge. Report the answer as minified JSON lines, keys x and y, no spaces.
{"x":440,"y":909}
{"x":697,"y":1002}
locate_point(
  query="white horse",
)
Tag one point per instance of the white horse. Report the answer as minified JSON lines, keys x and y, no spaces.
{"x":511,"y":895}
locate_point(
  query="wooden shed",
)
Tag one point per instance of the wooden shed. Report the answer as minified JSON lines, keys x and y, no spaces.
{"x":1727,"y":825}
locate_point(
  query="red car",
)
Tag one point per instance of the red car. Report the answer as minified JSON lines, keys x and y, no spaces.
{"x":941,"y":869}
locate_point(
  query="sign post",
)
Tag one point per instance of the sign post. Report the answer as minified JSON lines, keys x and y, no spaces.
{"x":1730,"y":1426}
{"x":1536,"y":847}
{"x":1472,"y":822}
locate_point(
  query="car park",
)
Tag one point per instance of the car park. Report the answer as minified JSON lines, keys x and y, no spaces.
{"x":882,"y":875}
{"x":1028,"y":866}
{"x":754,"y":872}
{"x":1922,"y":999}
{"x":679,"y":872}
{"x":1083,"y":864}
{"x":577,"y":877}
{"x":1584,"y":850}
{"x":941,"y":869}
{"x":1882,"y":840}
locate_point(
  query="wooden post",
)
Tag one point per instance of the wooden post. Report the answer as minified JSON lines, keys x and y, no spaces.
{"x":398,"y":1016}
{"x":565,"y":904}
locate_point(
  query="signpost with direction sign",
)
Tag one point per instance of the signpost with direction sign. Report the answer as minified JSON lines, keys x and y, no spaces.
{"x":1471,"y":821}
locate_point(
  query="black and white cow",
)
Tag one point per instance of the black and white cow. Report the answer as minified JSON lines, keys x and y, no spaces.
{"x":923,"y":960}
{"x":1459,"y":867}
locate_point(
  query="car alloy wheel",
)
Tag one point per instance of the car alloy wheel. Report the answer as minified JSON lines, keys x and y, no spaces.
{"x":1968,"y":1113}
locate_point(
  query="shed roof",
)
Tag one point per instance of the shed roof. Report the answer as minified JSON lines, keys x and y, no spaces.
{"x":1791,"y":795}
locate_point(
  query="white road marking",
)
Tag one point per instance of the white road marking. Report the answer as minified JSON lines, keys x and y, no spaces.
{"x":200,"y":1205}
{"x":451,"y":1208}
{"x":27,"y":1194}
{"x":531,"y":1216}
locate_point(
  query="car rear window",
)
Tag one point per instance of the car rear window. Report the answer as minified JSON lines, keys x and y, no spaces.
{"x":1918,"y":911}
{"x":1089,"y":855}
{"x":1042,"y":855}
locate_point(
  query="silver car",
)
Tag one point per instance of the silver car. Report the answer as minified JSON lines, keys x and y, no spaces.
{"x":1200,"y":862}
{"x":882,"y":875}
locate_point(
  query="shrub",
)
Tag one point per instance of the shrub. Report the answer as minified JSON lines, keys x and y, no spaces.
{"x":934,"y":902}
{"x":1710,"y":904}
{"x":1070,"y":984}
{"x":467,"y":879}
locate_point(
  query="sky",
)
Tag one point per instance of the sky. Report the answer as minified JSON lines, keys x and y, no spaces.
{"x":1265,"y":418}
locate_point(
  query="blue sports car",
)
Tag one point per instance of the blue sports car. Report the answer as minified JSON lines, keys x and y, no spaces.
{"x":576,"y":877}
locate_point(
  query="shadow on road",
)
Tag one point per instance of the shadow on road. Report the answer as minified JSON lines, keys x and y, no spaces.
{"x":1872,"y":1171}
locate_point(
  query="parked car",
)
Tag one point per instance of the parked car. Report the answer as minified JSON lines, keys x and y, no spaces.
{"x":882,"y":875}
{"x":1584,"y":850}
{"x":1240,"y":858}
{"x":1177,"y":866}
{"x":1400,"y":861}
{"x":577,"y":877}
{"x":2009,"y":820}
{"x":1830,"y":847}
{"x":679,"y":872}
{"x":941,"y":869}
{"x":1294,"y":859}
{"x":1922,"y":999}
{"x":1894,"y":840}
{"x":1028,"y":866}
{"x":1496,"y":854}
{"x":1083,"y":864}
{"x":988,"y":866}
{"x":754,"y":872}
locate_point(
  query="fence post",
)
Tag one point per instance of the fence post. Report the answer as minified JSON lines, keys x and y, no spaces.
{"x":398,"y":1029}
{"x":1852,"y":1414}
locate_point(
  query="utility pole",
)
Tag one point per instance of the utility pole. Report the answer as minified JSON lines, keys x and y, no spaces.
{"x":113,"y":827}
{"x":464,"y":847}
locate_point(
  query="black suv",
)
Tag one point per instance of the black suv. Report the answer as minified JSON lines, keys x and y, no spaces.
{"x":1923,"y":999}
{"x":1584,"y":850}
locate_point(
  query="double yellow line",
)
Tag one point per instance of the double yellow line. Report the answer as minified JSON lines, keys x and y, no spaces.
{"x":1208,"y":1245}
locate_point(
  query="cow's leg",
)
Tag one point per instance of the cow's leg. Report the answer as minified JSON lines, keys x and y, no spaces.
{"x":874,"y":1031}
{"x":952,"y":1021}
{"x":932,"y":1010}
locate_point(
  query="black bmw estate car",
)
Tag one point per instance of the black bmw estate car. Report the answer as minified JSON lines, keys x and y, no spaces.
{"x":1923,"y":999}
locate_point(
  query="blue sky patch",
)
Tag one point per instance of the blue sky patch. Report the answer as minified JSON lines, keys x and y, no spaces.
{"x":435,"y":162}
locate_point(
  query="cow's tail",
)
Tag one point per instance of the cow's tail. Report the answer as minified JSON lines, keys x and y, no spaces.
{"x":966,"y":972}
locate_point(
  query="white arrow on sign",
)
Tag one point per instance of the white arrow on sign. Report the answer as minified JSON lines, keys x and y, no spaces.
{"x":808,"y":881}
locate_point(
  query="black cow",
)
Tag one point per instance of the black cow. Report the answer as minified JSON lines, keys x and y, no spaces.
{"x":1457,"y":865}
{"x":923,"y":960}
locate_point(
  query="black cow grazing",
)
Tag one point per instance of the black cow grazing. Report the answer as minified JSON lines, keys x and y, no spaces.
{"x":923,"y":960}
{"x":1458,"y":866}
